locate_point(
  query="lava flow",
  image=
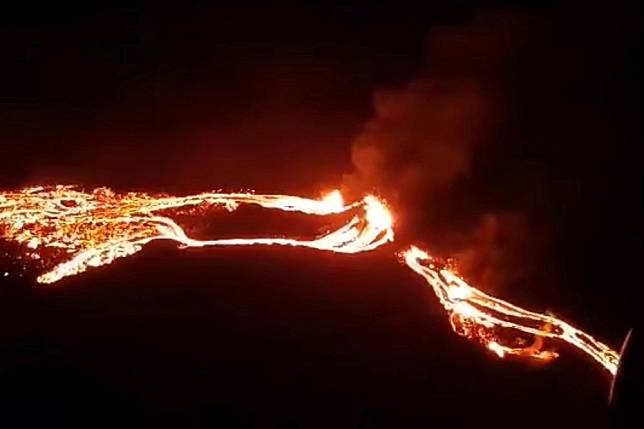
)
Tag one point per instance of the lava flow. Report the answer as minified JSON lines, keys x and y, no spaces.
{"x":490,"y":320}
{"x":72,"y":230}
{"x":88,"y":229}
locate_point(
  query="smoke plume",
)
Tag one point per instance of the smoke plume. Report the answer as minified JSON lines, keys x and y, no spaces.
{"x":417,"y":150}
{"x":494,"y":153}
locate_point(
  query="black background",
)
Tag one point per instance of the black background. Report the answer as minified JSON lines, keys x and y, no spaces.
{"x":192,"y":97}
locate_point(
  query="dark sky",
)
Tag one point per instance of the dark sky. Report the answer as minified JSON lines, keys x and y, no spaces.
{"x":506,"y":137}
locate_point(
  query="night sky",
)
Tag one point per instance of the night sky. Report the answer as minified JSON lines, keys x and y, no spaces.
{"x":508,"y":138}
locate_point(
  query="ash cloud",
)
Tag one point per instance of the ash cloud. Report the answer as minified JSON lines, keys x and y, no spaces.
{"x":495,"y":153}
{"x":421,"y":135}
{"x":417,"y":151}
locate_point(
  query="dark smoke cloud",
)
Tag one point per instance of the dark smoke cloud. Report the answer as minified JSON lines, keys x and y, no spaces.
{"x":421,"y":136}
{"x":419,"y":146}
{"x":503,"y":251}
{"x":494,"y":154}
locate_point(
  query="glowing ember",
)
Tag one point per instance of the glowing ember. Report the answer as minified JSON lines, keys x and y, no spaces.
{"x":93,"y":229}
{"x":488,"y":320}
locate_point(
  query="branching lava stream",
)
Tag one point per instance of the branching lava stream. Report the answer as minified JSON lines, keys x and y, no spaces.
{"x":91,"y":229}
{"x":71,"y":230}
{"x":481,"y":317}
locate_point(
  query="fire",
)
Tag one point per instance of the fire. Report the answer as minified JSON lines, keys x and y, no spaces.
{"x":488,"y":320}
{"x":90,"y":229}
{"x":334,"y":199}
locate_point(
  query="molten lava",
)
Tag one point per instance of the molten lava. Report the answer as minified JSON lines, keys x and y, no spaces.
{"x":489,"y":320}
{"x":70,"y":230}
{"x":90,"y":229}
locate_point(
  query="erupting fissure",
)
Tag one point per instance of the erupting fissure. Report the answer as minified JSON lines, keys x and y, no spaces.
{"x":73,"y":230}
{"x":91,"y":229}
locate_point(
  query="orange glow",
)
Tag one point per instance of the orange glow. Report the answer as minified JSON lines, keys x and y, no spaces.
{"x":490,"y":320}
{"x":90,"y":229}
{"x":68,"y":231}
{"x":496,"y":348}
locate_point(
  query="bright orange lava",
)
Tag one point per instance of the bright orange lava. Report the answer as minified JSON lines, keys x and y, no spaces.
{"x":91,"y":229}
{"x":490,"y":320}
{"x":73,"y":230}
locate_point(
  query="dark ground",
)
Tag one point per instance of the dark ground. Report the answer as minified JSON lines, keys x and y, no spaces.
{"x":303,"y":338}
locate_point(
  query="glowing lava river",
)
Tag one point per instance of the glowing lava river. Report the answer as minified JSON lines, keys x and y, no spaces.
{"x":489,"y":320}
{"x":95,"y":228}
{"x":71,"y":230}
